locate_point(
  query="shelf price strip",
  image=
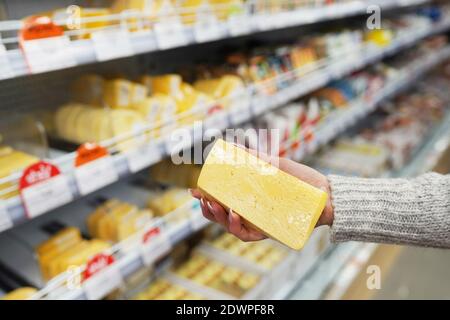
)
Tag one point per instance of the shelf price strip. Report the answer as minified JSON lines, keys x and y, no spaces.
{"x":140,"y":158}
{"x":94,"y":168}
{"x":170,"y":34}
{"x":155,"y":244}
{"x":206,"y":27}
{"x":112,"y":44}
{"x":43,"y":188}
{"x":197,"y":220}
{"x":45,"y":46}
{"x":5,"y":67}
{"x":101,"y":276}
{"x":5,"y":220}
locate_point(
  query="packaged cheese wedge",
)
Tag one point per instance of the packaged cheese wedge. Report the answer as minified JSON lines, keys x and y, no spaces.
{"x":94,"y":218}
{"x":167,"y":84}
{"x":81,"y":257}
{"x":51,"y":266}
{"x":58,"y":240}
{"x":88,"y":89}
{"x":117,"y":93}
{"x":268,"y":199}
{"x":138,"y":92}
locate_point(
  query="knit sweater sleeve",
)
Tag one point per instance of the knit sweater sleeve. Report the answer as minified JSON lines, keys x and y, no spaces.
{"x":399,"y":211}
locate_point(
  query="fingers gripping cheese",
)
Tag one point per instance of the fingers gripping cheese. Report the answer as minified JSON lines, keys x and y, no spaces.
{"x":274,"y":202}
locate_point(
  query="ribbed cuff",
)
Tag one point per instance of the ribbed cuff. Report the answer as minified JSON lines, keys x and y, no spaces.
{"x":360,"y":206}
{"x":401,"y":211}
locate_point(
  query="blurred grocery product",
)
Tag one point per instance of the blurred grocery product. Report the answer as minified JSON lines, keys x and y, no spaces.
{"x":11,"y":161}
{"x":19,"y":294}
{"x":165,"y":202}
{"x":264,"y":253}
{"x":115,"y":220}
{"x":181,"y":175}
{"x":162,"y":289}
{"x":206,"y":271}
{"x":65,"y":250}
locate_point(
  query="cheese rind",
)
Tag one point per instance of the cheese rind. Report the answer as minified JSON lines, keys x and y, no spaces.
{"x":278,"y":204}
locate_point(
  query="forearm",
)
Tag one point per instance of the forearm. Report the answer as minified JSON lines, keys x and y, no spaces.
{"x":401,"y":211}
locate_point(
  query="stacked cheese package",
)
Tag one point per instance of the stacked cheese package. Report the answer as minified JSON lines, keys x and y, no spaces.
{"x":162,"y":289}
{"x":65,"y":250}
{"x":182,"y":175}
{"x":264,"y":254}
{"x":97,"y":19}
{"x":165,"y":202}
{"x":192,"y":11}
{"x":11,"y":161}
{"x":115,"y":221}
{"x":104,"y":109}
{"x":206,"y":271}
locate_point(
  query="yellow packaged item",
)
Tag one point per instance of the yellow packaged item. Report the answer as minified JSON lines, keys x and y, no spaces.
{"x":138,"y":93}
{"x":59,"y":239}
{"x":88,"y":89}
{"x":19,"y":294}
{"x":169,"y":84}
{"x":117,"y":93}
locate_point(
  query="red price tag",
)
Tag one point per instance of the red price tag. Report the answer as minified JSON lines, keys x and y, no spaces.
{"x":45,"y":46}
{"x":43,"y":188}
{"x":153,"y":232}
{"x":101,"y":276}
{"x":39,"y":27}
{"x":95,"y":168}
{"x":88,"y":152}
{"x":155,"y":244}
{"x":97,"y":263}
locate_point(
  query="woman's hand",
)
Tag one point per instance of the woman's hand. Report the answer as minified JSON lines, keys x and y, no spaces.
{"x":233,"y":223}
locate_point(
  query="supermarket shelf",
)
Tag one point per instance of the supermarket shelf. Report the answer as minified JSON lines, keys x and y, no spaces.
{"x":132,"y":261}
{"x":85,"y":52}
{"x":12,"y":212}
{"x":341,"y":263}
{"x":130,"y":255}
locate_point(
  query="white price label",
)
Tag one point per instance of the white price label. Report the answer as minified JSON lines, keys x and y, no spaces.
{"x":217,"y":120}
{"x":48,"y":54}
{"x":154,"y":248}
{"x":95,"y":175}
{"x":5,"y":220}
{"x":46,"y":195}
{"x":143,"y":157}
{"x":5,"y":67}
{"x":316,"y":81}
{"x":239,"y":24}
{"x":206,"y":28}
{"x":240,"y":115}
{"x":112,"y":44}
{"x":264,"y":22}
{"x":103,"y":282}
{"x":170,"y":34}
{"x":260,"y":104}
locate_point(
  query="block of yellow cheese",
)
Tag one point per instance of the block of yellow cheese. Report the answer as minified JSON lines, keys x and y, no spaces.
{"x":274,"y":202}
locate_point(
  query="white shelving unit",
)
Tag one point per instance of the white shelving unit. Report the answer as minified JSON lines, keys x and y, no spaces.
{"x":152,"y":152}
{"x":90,"y":51}
{"x":315,"y":276}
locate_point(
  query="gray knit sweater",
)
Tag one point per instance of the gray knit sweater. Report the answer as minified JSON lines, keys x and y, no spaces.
{"x":400,"y":211}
